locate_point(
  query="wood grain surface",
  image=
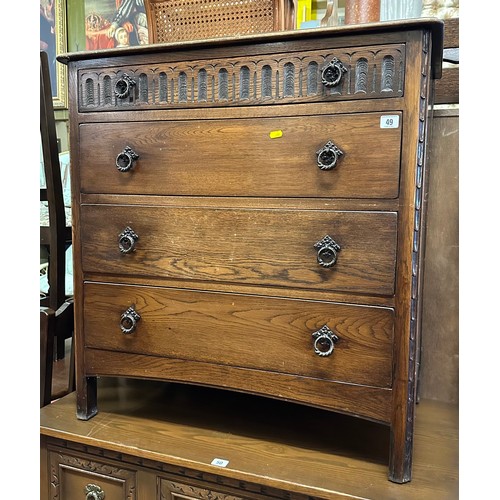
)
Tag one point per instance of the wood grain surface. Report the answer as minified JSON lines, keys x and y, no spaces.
{"x":265,"y":247}
{"x":224,"y":328}
{"x":247,"y":157}
{"x":268,"y":443}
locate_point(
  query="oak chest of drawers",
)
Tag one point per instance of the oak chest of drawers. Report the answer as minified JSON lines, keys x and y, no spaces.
{"x":249,"y":214}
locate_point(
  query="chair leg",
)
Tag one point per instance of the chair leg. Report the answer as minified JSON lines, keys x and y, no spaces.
{"x":47,"y":330}
{"x":60,"y":347}
{"x":65,"y":326}
{"x":71,"y":375}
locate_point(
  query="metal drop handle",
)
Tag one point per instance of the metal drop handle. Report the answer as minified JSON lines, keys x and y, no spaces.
{"x":125,"y":160}
{"x":324,"y":341}
{"x":327,"y":251}
{"x":128,"y":320}
{"x":124,"y":86}
{"x":126,"y":240}
{"x":332,"y":73}
{"x":328,"y":156}
{"x":94,"y":492}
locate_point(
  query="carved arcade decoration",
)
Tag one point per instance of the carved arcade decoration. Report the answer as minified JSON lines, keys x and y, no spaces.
{"x":362,"y":73}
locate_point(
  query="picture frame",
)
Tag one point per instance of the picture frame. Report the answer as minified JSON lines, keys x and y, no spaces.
{"x":53,"y":40}
{"x":90,"y":24}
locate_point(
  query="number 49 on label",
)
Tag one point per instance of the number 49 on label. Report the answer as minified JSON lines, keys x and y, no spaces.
{"x":389,"y":121}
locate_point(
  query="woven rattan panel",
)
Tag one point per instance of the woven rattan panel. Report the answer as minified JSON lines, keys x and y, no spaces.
{"x":177,"y":20}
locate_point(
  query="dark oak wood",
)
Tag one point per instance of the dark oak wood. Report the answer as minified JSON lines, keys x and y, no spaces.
{"x":244,"y":246}
{"x":222,"y":247}
{"x":146,"y":433}
{"x":170,"y":152}
{"x":175,"y":324}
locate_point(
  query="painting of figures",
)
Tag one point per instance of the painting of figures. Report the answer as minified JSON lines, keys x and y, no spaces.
{"x":115,"y":23}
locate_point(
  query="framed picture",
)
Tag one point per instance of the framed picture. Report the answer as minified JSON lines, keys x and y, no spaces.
{"x":53,"y":40}
{"x":106,"y":24}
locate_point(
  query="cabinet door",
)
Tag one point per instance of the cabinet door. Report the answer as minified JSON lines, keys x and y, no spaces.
{"x":78,"y":477}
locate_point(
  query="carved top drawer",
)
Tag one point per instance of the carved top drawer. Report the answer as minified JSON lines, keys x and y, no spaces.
{"x":322,"y":75}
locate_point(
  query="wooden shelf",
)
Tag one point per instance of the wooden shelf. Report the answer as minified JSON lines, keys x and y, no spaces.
{"x":269,"y":443}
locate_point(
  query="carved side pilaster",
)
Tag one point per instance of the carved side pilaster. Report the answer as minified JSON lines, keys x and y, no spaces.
{"x":417,"y":250}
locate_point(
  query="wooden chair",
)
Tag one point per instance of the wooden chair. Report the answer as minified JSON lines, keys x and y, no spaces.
{"x":197,"y":19}
{"x":56,"y":309}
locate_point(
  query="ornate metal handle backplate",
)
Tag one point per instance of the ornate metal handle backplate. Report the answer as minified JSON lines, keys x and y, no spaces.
{"x":324,"y":341}
{"x":94,"y":492}
{"x":328,"y":156}
{"x":327,"y":251}
{"x":126,"y":240}
{"x":128,"y":320}
{"x":125,"y":160}
{"x":124,"y":86}
{"x":332,"y":73}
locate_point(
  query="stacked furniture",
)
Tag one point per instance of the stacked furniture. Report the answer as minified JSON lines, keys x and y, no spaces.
{"x":249,"y":215}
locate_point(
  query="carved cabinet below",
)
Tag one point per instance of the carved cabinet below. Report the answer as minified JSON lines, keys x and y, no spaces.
{"x":249,"y":214}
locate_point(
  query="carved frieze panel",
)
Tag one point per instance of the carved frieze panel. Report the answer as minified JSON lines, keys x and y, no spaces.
{"x":371,"y":72}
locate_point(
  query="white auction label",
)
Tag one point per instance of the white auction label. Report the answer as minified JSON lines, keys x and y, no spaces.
{"x":219,"y":462}
{"x":389,"y":121}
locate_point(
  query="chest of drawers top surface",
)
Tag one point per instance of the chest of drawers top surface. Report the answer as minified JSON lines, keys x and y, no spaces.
{"x":248,"y":215}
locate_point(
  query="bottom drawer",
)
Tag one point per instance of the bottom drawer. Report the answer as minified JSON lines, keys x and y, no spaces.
{"x":75,"y":476}
{"x":328,"y":341}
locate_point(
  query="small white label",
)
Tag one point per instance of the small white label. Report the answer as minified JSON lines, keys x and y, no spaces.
{"x":389,"y":121}
{"x":219,"y":462}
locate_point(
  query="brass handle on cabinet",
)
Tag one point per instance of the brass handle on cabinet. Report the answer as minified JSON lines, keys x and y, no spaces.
{"x":125,"y":160}
{"x":128,"y":320}
{"x":324,"y":341}
{"x":327,"y":251}
{"x":332,"y":73}
{"x":126,"y":240}
{"x":94,"y":492}
{"x":124,"y":86}
{"x":328,"y":156}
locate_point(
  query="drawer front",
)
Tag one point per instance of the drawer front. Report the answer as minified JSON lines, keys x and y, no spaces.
{"x":81,"y":477}
{"x":266,"y":157}
{"x":229,"y":329}
{"x":366,"y":72}
{"x":173,"y":490}
{"x":247,"y":246}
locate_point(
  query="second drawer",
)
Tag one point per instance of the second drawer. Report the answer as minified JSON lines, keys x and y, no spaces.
{"x":308,"y":249}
